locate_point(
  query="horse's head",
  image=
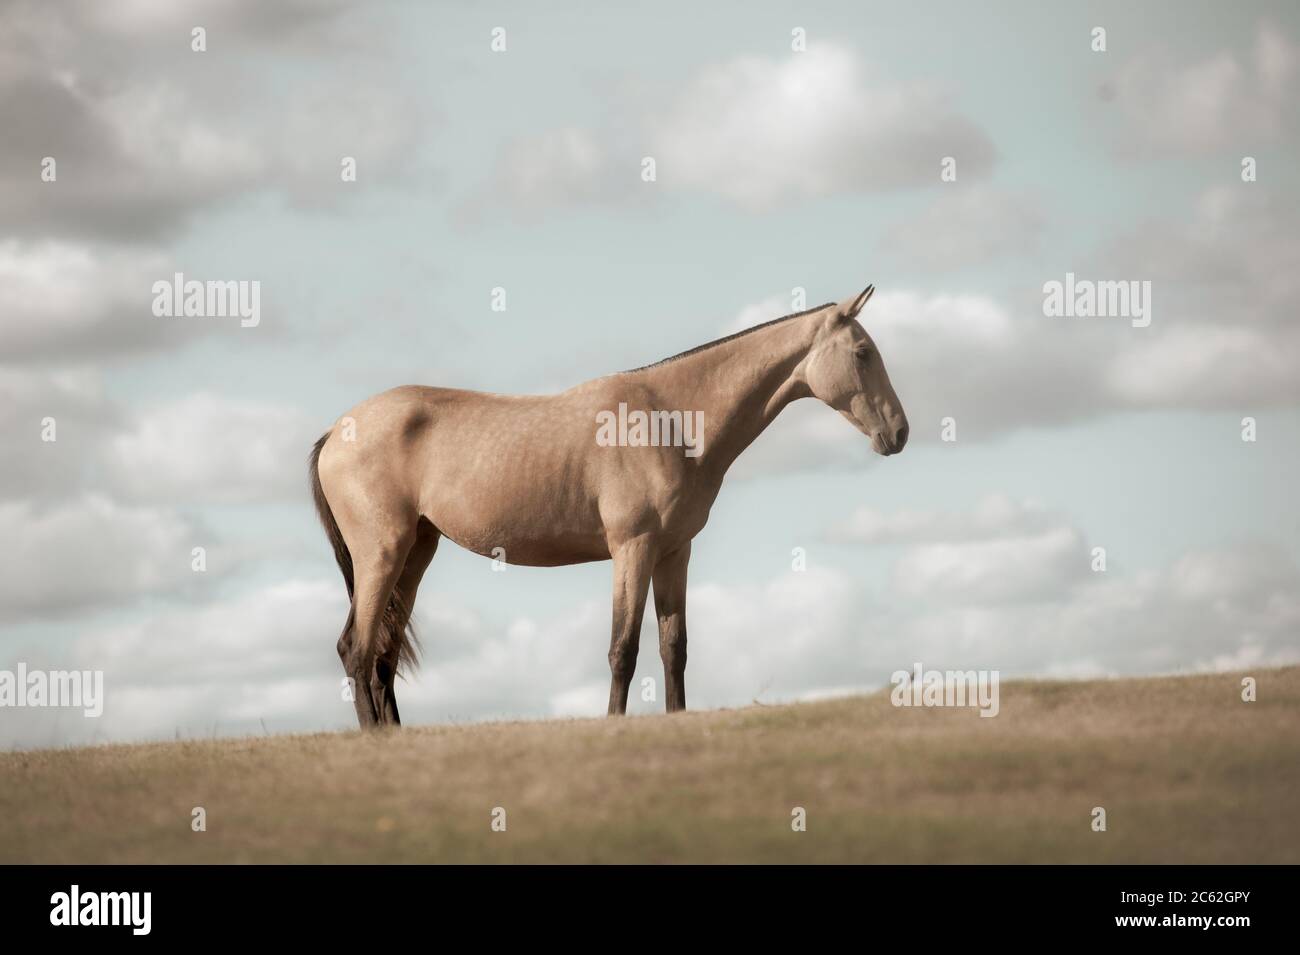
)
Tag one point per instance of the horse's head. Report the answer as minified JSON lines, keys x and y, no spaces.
{"x":844,"y":369}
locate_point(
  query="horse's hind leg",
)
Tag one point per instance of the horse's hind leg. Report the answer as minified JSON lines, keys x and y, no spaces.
{"x":387,"y":663}
{"x":376,"y":569}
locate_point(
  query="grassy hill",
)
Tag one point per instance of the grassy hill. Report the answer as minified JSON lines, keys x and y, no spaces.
{"x":1186,"y":771}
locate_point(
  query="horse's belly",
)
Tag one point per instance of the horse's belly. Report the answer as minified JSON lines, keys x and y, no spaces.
{"x":527,"y":547}
{"x":519,"y":523}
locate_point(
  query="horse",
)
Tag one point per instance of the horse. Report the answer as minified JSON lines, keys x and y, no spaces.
{"x":542,"y":480}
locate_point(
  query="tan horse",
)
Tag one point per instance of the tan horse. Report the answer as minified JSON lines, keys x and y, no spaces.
{"x":574,"y":477}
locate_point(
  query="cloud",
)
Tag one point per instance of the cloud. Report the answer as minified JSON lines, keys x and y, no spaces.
{"x":66,"y":301}
{"x":90,"y":552}
{"x":200,"y":448}
{"x":984,"y":571}
{"x":1223,"y":575}
{"x":1031,"y":603}
{"x":755,"y":132}
{"x":258,"y":636}
{"x":82,"y":413}
{"x":1023,"y":605}
{"x":267,"y":654}
{"x":999,"y":550}
{"x":1208,"y":367}
{"x":1224,"y":335}
{"x":1224,"y":286}
{"x":760,"y":131}
{"x":147,"y":133}
{"x":792,"y":634}
{"x":807,"y":436}
{"x":554,"y":169}
{"x":1222,"y":102}
{"x":228,"y":665}
{"x":105,"y":515}
{"x":477,"y":668}
{"x":1019,"y":604}
{"x":206,"y":447}
{"x":1229,"y":259}
{"x":774,"y":306}
{"x":993,"y":516}
{"x":965,"y":227}
{"x":1012,"y":589}
{"x":151,"y":138}
{"x":249,"y":21}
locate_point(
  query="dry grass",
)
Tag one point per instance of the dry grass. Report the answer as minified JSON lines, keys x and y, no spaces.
{"x":1186,"y":771}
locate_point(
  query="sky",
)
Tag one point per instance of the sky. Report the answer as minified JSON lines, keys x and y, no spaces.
{"x":799,"y":154}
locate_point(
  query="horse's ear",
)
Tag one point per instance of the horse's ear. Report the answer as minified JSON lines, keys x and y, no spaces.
{"x":851,"y":309}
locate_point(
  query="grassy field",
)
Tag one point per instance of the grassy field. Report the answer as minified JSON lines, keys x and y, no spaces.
{"x":1186,"y":771}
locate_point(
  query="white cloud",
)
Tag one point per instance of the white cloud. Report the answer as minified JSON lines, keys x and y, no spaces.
{"x":964,"y":320}
{"x":817,"y":632}
{"x":1224,"y":336}
{"x":526,"y":667}
{"x":65,"y":300}
{"x":268,"y":654}
{"x":1224,"y":286}
{"x":999,"y":550}
{"x":263,"y":635}
{"x":786,"y":637}
{"x":82,"y":413}
{"x":983,"y":571}
{"x":246,"y":20}
{"x":1207,"y":366}
{"x":90,"y":551}
{"x":755,"y":132}
{"x":196,"y":449}
{"x":1221,"y":102}
{"x":1222,"y":574}
{"x":774,"y":306}
{"x":221,"y":667}
{"x":145,"y":137}
{"x":556,"y":168}
{"x":993,"y":516}
{"x":807,"y":436}
{"x":966,"y":226}
{"x":759,"y":131}
{"x":205,"y":447}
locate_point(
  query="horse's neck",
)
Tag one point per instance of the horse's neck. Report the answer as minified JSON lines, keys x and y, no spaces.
{"x":740,"y":386}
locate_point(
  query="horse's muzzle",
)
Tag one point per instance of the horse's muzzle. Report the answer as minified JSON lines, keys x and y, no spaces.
{"x":893,"y":443}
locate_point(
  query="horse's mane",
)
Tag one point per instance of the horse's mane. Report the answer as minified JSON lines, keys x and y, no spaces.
{"x":726,"y":338}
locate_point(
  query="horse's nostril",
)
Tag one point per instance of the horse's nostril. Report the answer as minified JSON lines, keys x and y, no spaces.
{"x":900,"y":437}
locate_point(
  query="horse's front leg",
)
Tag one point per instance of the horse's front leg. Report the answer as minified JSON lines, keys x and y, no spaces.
{"x":670,"y":607}
{"x":633,"y":565}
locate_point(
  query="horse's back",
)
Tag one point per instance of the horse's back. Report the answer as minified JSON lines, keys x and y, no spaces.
{"x":489,"y":471}
{"x":523,"y":474}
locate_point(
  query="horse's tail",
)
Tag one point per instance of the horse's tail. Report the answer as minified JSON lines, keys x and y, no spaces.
{"x":327,"y":516}
{"x":395,"y":627}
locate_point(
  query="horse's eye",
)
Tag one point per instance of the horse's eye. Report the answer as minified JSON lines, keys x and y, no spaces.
{"x":862,"y":352}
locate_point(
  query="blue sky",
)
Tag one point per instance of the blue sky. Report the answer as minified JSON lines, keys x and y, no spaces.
{"x":776,"y":170}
